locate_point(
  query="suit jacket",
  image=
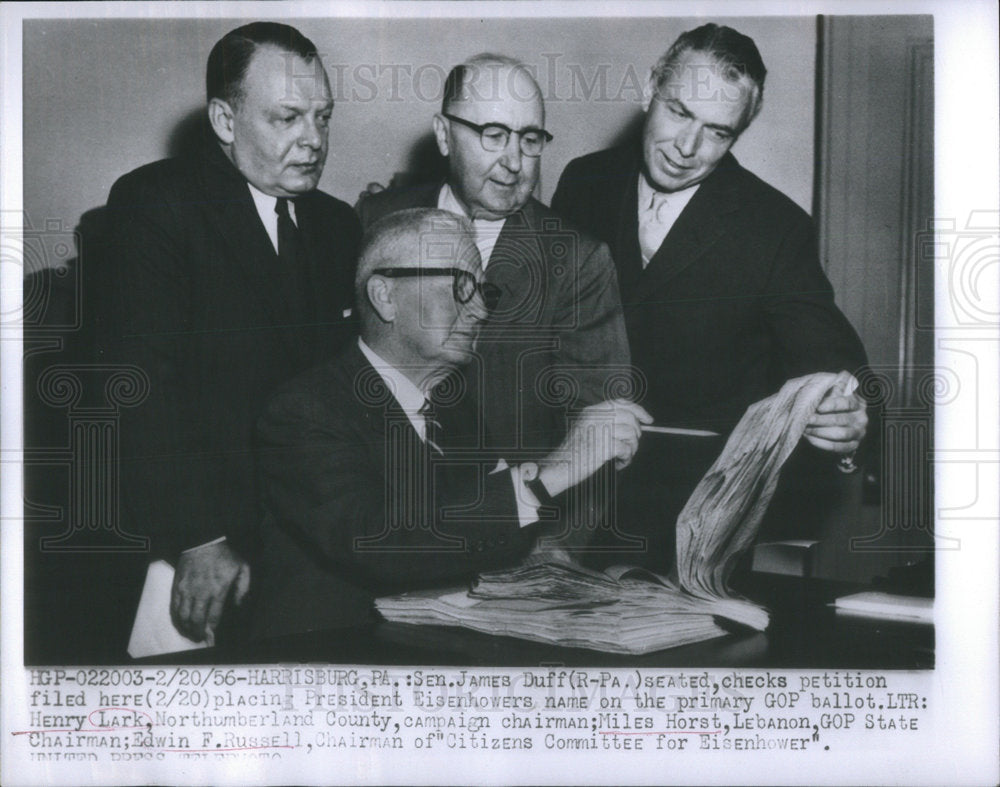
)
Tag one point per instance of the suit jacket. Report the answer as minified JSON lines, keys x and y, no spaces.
{"x":358,"y":506}
{"x":732,"y":304}
{"x":193,"y":295}
{"x":556,"y":340}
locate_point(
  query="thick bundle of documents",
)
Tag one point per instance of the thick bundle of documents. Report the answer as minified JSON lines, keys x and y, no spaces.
{"x":620,"y":610}
{"x":629,"y":610}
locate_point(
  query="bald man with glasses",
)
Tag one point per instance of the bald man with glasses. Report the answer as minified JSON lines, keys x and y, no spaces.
{"x":554,"y":339}
{"x":365,"y":494}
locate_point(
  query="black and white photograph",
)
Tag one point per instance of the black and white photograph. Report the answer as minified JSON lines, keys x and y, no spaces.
{"x":611,"y":387}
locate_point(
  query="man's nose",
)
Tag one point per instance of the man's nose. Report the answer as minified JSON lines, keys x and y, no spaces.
{"x":687,"y":139}
{"x":312,"y":134}
{"x":511,"y":157}
{"x":474,"y":311}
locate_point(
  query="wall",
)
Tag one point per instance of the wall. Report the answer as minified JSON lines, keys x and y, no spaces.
{"x":875,"y":202}
{"x":102,"y":97}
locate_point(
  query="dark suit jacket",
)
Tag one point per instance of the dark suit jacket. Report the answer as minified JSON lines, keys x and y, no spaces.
{"x":555,"y":340}
{"x":358,"y":506}
{"x":734,"y":302}
{"x":193,"y":295}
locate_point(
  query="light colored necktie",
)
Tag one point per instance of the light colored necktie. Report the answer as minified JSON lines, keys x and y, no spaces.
{"x":651,"y":232}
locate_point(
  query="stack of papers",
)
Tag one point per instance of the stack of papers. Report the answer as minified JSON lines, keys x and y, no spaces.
{"x":887,"y":606}
{"x":564,"y":604}
{"x":630,"y":610}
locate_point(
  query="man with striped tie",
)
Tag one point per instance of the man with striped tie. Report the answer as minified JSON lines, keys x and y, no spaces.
{"x":363,"y":494}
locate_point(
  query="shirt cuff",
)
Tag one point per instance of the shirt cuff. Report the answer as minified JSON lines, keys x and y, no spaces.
{"x":527,"y":503}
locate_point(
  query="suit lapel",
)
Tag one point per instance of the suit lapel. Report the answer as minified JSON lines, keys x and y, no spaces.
{"x":320,"y":244}
{"x":379,"y":407}
{"x":237,"y":220}
{"x":516,"y":264}
{"x":705,"y":220}
{"x":628,"y":254}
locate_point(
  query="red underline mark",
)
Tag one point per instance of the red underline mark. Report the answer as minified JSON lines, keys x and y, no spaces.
{"x":666,"y":732}
{"x":94,"y":729}
{"x":242,"y":748}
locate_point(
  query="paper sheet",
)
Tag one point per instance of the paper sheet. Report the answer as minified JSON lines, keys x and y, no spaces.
{"x":153,"y":632}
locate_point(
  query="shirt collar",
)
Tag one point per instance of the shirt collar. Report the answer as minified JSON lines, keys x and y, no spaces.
{"x":409,"y":396}
{"x":676,"y":198}
{"x":487,"y":230}
{"x":448,"y":201}
{"x":266,"y":203}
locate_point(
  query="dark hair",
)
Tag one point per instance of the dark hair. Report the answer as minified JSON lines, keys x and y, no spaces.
{"x":465,"y":73}
{"x":230,"y":57}
{"x":736,"y":54}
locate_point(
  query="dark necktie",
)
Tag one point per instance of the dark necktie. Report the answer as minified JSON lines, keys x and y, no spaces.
{"x":432,"y":426}
{"x":292,"y":260}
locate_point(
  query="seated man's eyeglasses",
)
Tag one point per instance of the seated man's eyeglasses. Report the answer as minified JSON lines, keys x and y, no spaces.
{"x":494,"y":136}
{"x":463,"y":286}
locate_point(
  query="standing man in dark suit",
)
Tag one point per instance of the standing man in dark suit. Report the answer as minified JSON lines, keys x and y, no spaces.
{"x":364,"y":494}
{"x":723,"y":293}
{"x":555,"y":337}
{"x":227,"y":273}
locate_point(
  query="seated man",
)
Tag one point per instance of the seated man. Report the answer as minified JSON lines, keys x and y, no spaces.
{"x":360,"y":498}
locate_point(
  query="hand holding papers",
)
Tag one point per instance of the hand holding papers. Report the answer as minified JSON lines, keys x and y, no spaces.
{"x":839,"y":421}
{"x":723,"y":514}
{"x":153,"y":632}
{"x":625,"y":610}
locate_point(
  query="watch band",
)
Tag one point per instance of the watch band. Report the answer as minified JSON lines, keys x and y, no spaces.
{"x":540,"y":492}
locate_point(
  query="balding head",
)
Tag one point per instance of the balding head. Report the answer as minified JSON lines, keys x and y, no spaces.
{"x":417,"y":289}
{"x":490,"y":171}
{"x":486,"y":77}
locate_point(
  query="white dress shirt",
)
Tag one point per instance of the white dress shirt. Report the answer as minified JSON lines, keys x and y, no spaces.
{"x":403,"y":390}
{"x":265,"y":205}
{"x":487,"y":230}
{"x":411,"y":399}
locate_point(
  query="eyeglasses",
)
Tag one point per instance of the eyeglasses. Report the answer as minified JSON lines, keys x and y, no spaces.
{"x":463,"y":286}
{"x":494,"y":136}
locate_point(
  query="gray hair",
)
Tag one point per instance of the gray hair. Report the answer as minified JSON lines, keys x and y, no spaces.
{"x":736,"y":55}
{"x":409,"y":239}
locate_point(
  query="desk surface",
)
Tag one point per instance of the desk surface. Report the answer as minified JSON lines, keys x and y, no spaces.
{"x":805,"y":633}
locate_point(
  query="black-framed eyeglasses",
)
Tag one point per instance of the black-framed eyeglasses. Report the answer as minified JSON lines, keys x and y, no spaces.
{"x":494,"y":136}
{"x":463,"y":285}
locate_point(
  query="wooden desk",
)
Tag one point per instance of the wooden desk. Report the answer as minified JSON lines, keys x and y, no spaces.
{"x":804,"y":633}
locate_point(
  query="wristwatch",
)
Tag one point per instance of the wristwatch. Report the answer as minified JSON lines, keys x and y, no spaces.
{"x":529,"y":476}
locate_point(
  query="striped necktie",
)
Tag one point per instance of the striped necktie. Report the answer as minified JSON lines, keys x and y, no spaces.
{"x":432,"y":426}
{"x":651,"y":227}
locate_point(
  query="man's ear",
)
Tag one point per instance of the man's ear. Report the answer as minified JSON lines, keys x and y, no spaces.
{"x":220,"y":115}
{"x":441,"y":134}
{"x":379,"y":293}
{"x":649,"y":91}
